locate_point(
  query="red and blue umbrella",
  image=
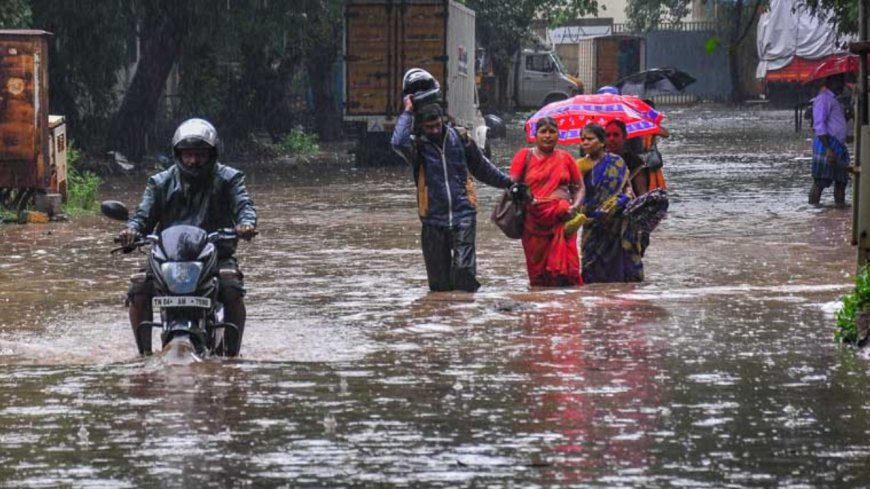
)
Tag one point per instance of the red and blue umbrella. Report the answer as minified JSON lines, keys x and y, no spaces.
{"x":575,"y":113}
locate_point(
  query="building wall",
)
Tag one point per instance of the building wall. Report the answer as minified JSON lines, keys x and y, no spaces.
{"x":685,"y":50}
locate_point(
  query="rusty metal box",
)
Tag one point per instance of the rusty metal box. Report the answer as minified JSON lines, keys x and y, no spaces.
{"x":24,"y":129}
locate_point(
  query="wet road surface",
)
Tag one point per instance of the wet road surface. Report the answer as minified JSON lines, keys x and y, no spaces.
{"x":719,"y":370}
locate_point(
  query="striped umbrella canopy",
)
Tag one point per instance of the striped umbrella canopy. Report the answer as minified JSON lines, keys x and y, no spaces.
{"x":575,"y":113}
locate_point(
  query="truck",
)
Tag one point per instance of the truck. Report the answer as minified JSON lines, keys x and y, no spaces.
{"x":385,"y":38}
{"x":791,"y":43}
{"x":536,"y":78}
{"x":602,"y":60}
{"x":33,"y":144}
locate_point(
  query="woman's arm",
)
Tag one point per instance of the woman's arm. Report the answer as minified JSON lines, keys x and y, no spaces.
{"x":578,"y":187}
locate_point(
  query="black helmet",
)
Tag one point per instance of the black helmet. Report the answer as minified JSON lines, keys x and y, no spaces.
{"x":195,"y":134}
{"x":422,"y":86}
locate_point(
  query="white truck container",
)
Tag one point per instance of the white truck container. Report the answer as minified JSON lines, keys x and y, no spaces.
{"x":385,"y":38}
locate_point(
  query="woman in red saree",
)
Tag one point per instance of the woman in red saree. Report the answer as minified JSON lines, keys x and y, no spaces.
{"x":557,"y":192}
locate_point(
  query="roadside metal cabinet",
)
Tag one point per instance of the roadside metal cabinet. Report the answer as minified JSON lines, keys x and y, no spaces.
{"x":58,"y":144}
{"x":27,"y":139}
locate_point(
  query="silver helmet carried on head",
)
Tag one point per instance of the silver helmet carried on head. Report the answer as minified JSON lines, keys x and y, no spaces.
{"x":422,"y":86}
{"x":195,"y":134}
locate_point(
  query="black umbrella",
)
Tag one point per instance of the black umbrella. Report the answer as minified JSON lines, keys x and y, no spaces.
{"x":656,"y":81}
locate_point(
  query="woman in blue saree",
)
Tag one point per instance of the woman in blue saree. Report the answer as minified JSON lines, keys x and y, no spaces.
{"x":611,"y":247}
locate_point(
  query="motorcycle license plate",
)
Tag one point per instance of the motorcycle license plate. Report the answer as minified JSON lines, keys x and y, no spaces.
{"x":181,"y":301}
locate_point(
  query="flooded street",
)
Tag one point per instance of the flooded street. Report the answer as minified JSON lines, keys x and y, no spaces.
{"x":719,"y":370}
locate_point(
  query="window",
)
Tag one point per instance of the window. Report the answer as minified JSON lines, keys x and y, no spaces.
{"x":539,"y":62}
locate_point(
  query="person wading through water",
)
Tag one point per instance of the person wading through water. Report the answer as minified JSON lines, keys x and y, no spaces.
{"x":557,"y":192}
{"x":201,"y":192}
{"x":443,"y":159}
{"x":830,"y":155}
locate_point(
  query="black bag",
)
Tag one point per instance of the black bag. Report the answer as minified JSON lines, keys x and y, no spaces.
{"x":508,"y":214}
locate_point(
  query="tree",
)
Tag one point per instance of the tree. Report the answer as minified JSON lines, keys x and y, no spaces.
{"x":14,"y":14}
{"x":162,"y":31}
{"x":737,"y":17}
{"x":503,"y":27}
{"x":844,"y":12}
{"x":322,"y":47}
{"x":91,"y":42}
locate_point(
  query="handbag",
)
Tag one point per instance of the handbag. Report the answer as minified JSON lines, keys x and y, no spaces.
{"x":509,"y":214}
{"x":652,"y":158}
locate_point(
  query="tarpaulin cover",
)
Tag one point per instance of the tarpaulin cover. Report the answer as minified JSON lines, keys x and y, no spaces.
{"x":784,"y":34}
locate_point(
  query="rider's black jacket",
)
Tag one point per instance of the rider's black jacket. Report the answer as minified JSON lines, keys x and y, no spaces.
{"x":218,"y":200}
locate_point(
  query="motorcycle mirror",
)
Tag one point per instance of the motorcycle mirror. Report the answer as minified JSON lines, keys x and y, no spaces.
{"x":114,"y":210}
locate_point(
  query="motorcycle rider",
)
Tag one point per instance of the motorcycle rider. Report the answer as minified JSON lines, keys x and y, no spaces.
{"x":197,"y":191}
{"x":443,"y":159}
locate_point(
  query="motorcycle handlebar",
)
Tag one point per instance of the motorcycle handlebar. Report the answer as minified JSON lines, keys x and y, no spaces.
{"x":225,"y":234}
{"x":138,"y":243}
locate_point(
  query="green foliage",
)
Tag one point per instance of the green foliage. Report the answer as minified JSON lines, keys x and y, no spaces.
{"x":239,"y":63}
{"x":298,"y":143}
{"x":645,"y":15}
{"x":82,"y":186}
{"x":853,"y":303}
{"x":7,"y":215}
{"x":712,"y":44}
{"x":503,"y":27}
{"x":14,"y":14}
{"x":92,"y":42}
{"x":844,"y":13}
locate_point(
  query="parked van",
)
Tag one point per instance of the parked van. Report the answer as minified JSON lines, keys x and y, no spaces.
{"x":537,"y":77}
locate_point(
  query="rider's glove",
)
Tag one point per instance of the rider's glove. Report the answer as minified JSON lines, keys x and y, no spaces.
{"x":127,"y":237}
{"x":246,"y":231}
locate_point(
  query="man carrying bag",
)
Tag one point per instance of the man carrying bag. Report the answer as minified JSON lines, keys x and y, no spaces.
{"x":444,"y":161}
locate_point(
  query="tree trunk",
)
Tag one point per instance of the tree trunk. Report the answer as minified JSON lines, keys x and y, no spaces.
{"x":162,"y":34}
{"x":327,"y":118}
{"x":734,"y":54}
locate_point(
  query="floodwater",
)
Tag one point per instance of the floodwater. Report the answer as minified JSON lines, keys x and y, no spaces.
{"x":719,"y":370}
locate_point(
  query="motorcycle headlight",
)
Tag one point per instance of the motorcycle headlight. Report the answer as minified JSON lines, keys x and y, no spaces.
{"x":181,"y":277}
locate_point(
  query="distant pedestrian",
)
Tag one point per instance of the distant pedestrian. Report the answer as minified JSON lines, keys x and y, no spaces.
{"x":830,"y":155}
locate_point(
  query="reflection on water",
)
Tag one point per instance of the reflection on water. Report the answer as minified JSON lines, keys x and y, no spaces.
{"x":720,"y":370}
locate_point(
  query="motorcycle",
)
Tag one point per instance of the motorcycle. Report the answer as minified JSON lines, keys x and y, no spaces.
{"x":182,"y":260}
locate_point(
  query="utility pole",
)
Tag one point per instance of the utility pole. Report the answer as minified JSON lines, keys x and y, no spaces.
{"x":861,"y":187}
